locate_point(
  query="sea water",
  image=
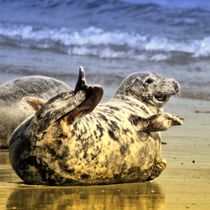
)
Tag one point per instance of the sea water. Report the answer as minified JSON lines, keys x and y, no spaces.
{"x":111,"y":38}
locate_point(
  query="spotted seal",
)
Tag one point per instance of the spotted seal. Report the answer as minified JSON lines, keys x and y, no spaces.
{"x":13,"y":106}
{"x":73,"y":141}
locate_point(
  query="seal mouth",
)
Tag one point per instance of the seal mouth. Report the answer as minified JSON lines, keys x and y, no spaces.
{"x":161,"y":97}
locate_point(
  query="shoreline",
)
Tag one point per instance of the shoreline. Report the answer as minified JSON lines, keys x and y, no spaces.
{"x":17,"y":62}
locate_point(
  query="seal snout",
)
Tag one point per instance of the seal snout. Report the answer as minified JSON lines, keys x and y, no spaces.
{"x":166,"y":89}
{"x":176,"y":85}
{"x":170,"y":87}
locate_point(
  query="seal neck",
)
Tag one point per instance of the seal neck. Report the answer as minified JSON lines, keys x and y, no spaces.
{"x":153,"y":109}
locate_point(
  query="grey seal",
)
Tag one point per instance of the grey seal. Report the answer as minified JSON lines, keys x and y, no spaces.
{"x":13,"y":105}
{"x":71,"y":140}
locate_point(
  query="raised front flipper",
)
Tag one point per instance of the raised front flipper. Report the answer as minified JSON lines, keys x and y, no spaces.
{"x":93,"y":95}
{"x":69,"y":105}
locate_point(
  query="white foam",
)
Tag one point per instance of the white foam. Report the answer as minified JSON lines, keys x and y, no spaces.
{"x":105,"y":44}
{"x":205,"y":4}
{"x":202,"y":48}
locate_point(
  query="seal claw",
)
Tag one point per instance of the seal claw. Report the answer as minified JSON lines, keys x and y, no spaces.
{"x":81,"y":82}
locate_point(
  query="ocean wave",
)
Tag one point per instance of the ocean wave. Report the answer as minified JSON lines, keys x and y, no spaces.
{"x":97,"y":42}
{"x":153,"y":17}
{"x":192,"y":4}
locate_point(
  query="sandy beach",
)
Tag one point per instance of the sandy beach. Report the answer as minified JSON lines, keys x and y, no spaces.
{"x":185,"y":184}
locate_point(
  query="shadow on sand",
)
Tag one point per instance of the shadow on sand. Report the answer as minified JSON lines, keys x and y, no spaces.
{"x":142,"y":196}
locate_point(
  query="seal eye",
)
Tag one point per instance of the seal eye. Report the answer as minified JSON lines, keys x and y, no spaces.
{"x":149,"y":80}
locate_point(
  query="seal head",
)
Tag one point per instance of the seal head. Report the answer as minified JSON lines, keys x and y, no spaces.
{"x":151,"y":88}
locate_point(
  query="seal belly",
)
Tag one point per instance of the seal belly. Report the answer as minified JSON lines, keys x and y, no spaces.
{"x":99,"y":148}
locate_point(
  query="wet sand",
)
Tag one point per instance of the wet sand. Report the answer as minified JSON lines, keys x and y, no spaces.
{"x":185,"y":184}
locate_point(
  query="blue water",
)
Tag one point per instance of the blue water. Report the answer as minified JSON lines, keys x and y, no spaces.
{"x":143,"y":30}
{"x":157,"y":33}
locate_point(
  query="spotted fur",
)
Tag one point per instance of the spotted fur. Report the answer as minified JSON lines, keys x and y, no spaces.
{"x":15,"y":107}
{"x":116,"y":142}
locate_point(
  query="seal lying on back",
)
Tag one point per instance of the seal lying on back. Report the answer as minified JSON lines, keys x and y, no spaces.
{"x":70,"y":141}
{"x":14,"y":108}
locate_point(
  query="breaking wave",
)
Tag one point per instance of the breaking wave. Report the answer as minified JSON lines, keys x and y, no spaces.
{"x":97,"y":42}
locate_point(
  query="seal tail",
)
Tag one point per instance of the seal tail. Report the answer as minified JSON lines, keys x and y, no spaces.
{"x":71,"y":105}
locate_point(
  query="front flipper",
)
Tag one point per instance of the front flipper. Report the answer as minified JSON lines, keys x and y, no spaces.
{"x":69,"y":105}
{"x":161,"y":122}
{"x":93,"y":96}
{"x":157,"y":169}
{"x":157,"y":122}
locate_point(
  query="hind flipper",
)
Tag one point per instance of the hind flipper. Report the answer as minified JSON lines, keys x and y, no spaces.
{"x":33,"y":103}
{"x":69,"y":105}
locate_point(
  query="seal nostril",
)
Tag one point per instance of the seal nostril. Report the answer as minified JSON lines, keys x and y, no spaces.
{"x":176,"y":85}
